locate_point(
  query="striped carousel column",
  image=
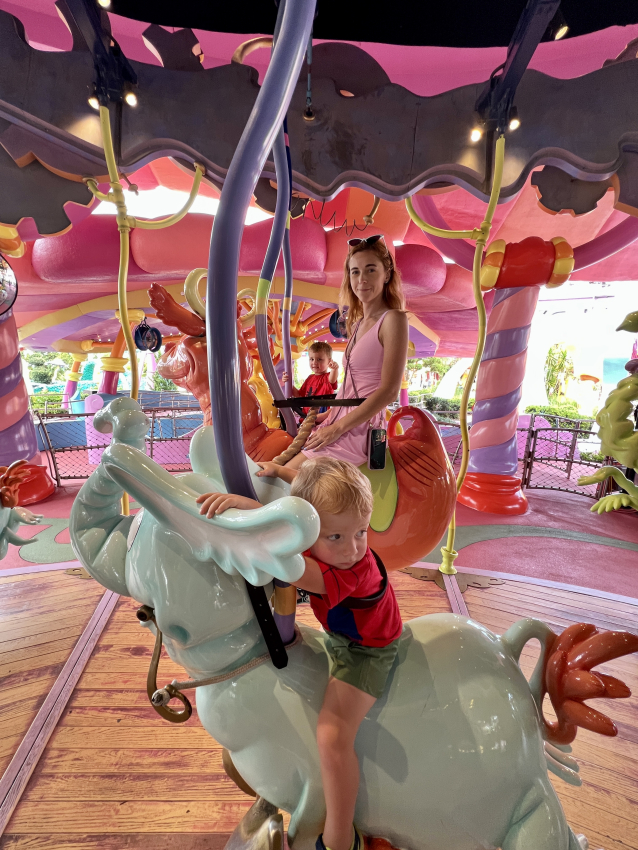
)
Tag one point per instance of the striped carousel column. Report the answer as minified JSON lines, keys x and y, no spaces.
{"x":17,"y":432}
{"x":517,"y":271}
{"x":72,"y":378}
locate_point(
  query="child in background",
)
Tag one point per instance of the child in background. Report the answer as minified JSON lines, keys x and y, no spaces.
{"x":325,"y":371}
{"x":354,"y":602}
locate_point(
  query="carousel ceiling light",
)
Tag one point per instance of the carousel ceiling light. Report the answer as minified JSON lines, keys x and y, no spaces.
{"x":131,"y":98}
{"x":104,"y":3}
{"x":558,"y":27}
{"x":475,"y":135}
{"x":94,"y":103}
{"x":515,"y":121}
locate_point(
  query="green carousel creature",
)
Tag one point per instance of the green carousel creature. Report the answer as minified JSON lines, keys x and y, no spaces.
{"x":619,"y":438}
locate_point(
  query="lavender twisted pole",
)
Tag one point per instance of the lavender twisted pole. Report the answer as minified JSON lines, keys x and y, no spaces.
{"x":294,"y":22}
{"x":492,"y":483}
{"x":17,"y":434}
{"x":288,"y":272}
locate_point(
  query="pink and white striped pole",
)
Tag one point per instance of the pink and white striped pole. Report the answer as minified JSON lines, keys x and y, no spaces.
{"x":517,"y":271}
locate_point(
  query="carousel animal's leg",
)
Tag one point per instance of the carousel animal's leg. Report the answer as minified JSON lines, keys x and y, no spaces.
{"x":261,"y":828}
{"x":307,"y":820}
{"x":539,"y":821}
{"x":232,"y":773}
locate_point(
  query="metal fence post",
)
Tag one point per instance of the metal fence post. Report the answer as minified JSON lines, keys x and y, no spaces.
{"x":527,"y":452}
{"x":572,"y":450}
{"x":531,"y":457}
{"x":152,"y":434}
{"x":50,"y":452}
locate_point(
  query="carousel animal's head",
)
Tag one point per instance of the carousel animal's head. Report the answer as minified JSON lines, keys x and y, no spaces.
{"x":186,"y":362}
{"x":188,"y":568}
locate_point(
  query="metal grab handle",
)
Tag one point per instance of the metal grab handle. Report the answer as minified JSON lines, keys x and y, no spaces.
{"x":145,"y":614}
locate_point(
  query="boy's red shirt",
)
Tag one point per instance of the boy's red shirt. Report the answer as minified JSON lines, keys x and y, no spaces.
{"x":316,"y":385}
{"x":375,"y":626}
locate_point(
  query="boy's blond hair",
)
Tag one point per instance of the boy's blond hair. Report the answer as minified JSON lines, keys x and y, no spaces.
{"x":333,"y":486}
{"x":319,"y":347}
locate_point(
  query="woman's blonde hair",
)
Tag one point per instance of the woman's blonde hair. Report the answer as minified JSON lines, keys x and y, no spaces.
{"x":333,"y":486}
{"x":392,"y":290}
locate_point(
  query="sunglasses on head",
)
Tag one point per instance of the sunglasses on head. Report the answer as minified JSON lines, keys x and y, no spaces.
{"x":371,"y":240}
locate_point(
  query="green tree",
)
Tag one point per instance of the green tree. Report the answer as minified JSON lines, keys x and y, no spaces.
{"x":435,"y":364}
{"x":163,"y":385}
{"x":558,"y":367}
{"x":42,"y":367}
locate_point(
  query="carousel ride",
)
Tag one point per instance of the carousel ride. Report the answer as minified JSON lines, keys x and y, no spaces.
{"x":232,"y":564}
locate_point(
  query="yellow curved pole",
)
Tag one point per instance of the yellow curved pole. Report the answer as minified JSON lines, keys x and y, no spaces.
{"x":151,"y":224}
{"x":191,"y":292}
{"x":124,"y":224}
{"x":438,"y":231}
{"x":448,"y":551}
{"x":248,"y":319}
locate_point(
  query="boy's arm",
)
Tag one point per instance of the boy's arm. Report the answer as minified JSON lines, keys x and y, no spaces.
{"x":217,"y":503}
{"x":312,"y":579}
{"x":334,"y":372}
{"x":284,"y":381}
{"x":273,"y":470}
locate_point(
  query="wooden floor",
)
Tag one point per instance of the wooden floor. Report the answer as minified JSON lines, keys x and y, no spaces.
{"x":605,"y":807}
{"x":41,"y":617}
{"x":114,"y":776}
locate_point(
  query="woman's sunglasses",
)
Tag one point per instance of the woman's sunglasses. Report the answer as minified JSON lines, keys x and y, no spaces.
{"x":371,"y":240}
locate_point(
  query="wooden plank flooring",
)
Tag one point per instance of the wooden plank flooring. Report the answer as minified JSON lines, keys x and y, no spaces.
{"x":605,"y":808}
{"x":113,"y":772}
{"x":41,"y":617}
{"x":114,"y":776}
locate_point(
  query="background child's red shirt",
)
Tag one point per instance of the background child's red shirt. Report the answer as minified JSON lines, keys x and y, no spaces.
{"x":375,"y":626}
{"x":317,"y":385}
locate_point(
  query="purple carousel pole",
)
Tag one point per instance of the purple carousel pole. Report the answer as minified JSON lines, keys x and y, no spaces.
{"x":17,"y":433}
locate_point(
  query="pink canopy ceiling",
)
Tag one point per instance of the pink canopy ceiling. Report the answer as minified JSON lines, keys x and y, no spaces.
{"x":56,"y":273}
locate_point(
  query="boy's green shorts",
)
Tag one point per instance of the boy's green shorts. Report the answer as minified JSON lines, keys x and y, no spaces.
{"x":364,"y":667}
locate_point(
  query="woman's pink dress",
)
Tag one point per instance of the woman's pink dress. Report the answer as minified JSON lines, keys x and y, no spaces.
{"x":366,"y":360}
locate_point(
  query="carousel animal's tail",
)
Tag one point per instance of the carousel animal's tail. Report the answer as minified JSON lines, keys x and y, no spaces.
{"x":564,"y":672}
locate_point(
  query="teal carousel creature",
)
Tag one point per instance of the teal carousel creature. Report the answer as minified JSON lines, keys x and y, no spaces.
{"x":457,"y":721}
{"x":12,"y":516}
{"x":619,"y":437}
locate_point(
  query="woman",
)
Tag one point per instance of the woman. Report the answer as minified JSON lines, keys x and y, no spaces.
{"x":375,"y":358}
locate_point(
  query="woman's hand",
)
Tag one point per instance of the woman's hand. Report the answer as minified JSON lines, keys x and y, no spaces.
{"x":217,"y":503}
{"x":323,"y":437}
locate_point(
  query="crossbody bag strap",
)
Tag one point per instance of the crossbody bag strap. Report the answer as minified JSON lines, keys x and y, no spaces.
{"x":349,"y":349}
{"x":369,"y":601}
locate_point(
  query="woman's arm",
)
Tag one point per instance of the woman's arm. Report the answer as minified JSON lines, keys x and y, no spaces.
{"x":394,"y":339}
{"x":312,"y":579}
{"x":273,"y":470}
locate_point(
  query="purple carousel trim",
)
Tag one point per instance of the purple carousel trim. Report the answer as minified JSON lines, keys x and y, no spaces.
{"x":18,"y":441}
{"x":496,"y":460}
{"x":10,"y":376}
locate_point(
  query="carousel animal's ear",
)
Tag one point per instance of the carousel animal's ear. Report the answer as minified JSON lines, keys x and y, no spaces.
{"x":259,"y":545}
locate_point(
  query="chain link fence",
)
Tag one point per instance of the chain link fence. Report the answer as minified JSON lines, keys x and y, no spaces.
{"x":549,"y":452}
{"x":74,"y":448}
{"x":549,"y":457}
